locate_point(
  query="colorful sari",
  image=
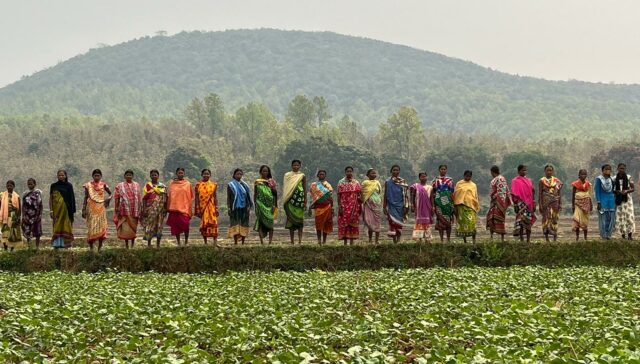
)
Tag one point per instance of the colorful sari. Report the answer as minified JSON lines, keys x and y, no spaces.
{"x":32,"y":214}
{"x":606,"y":199}
{"x":127,"y":197}
{"x":153,"y":203}
{"x":293,"y":191}
{"x":550,"y":204}
{"x":10,"y":216}
{"x":63,"y":207}
{"x":424,"y":216}
{"x":500,"y":202}
{"x":443,"y":189}
{"x":239,"y":203}
{"x":96,"y":212}
{"x":322,"y":200}
{"x":266,"y":195}
{"x":207,"y":209}
{"x":625,"y":216}
{"x":372,"y":204}
{"x":465,"y":199}
{"x":523,"y":204}
{"x":582,"y":206}
{"x":397,"y":198}
{"x":349,"y":214}
{"x":179,"y":206}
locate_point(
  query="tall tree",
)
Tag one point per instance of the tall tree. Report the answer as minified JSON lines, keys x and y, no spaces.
{"x":216,"y":115}
{"x":197,"y":116}
{"x":402,"y":134}
{"x":322,"y":109}
{"x":254,"y":120}
{"x":301,"y":111}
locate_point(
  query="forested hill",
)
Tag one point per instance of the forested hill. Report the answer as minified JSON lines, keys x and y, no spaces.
{"x":364,"y":78}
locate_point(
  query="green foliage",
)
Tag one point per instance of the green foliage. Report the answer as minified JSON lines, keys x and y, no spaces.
{"x":402,"y":134}
{"x":535,"y":162}
{"x":628,"y":154}
{"x":301,"y":112}
{"x":188,"y":158}
{"x":529,"y":314}
{"x":461,"y":157}
{"x":367,"y":79}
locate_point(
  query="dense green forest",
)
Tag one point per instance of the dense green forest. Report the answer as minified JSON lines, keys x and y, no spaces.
{"x":368,"y":80}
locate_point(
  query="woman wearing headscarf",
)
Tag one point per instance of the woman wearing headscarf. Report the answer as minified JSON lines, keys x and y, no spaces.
{"x":62,"y":204}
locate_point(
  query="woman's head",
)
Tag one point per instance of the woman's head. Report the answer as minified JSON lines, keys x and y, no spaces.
{"x":265,"y":172}
{"x":422,"y":176}
{"x":128,"y":175}
{"x":180,"y":172}
{"x":62,"y":175}
{"x":295,"y":165}
{"x":395,"y":170}
{"x":97,"y":175}
{"x":237,"y":174}
{"x":442,"y":169}
{"x":348,"y":172}
{"x":322,"y":174}
{"x":205,"y":174}
{"x":622,"y":168}
{"x":606,"y":170}
{"x":372,"y":173}
{"x":522,"y":170}
{"x":31,"y":183}
{"x":582,"y":174}
{"x":495,"y":171}
{"x":467,"y":175}
{"x":154,"y":174}
{"x":10,"y":185}
{"x":548,"y":170}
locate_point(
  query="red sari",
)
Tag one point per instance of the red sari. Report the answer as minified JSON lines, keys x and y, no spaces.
{"x":350,"y":209}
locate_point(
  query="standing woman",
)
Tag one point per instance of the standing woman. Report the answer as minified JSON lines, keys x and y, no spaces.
{"x":32,"y":213}
{"x":10,"y":217}
{"x":606,"y":201}
{"x":94,"y":209}
{"x":239,"y":204}
{"x":127,"y":209}
{"x":295,"y":199}
{"x":322,"y":201}
{"x":500,"y":202}
{"x":372,"y":204}
{"x":443,"y":202}
{"x":179,"y":205}
{"x":522,"y":195}
{"x":465,"y":199}
{"x":623,"y":190}
{"x":349,"y":201}
{"x":396,"y":203}
{"x":550,"y":202}
{"x":265,"y":195}
{"x":422,"y":206}
{"x":206,"y":206}
{"x":154,"y":208}
{"x":62,"y":204}
{"x":581,"y":203}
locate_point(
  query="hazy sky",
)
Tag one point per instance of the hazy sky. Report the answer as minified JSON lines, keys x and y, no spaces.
{"x":554,"y":39}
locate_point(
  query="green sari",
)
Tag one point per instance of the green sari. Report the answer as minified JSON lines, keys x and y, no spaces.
{"x":62,"y":225}
{"x":264,"y":207}
{"x":294,"y":208}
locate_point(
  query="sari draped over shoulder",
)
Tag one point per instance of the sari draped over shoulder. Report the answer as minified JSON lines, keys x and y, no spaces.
{"x":96,"y":212}
{"x":293,"y":192}
{"x":266,"y":194}
{"x":443,"y":189}
{"x":396,"y":194}
{"x":523,"y":204}
{"x":465,"y":199}
{"x":583,"y":205}
{"x":625,"y":215}
{"x":153,"y":203}
{"x":10,"y":216}
{"x":372,"y":204}
{"x":32,"y":214}
{"x":322,"y":202}
{"x":239,"y":203}
{"x":129,"y":202}
{"x":500,"y":202}
{"x":423,"y":210}
{"x":63,"y":203}
{"x":206,"y":208}
{"x":179,"y":206}
{"x":349,"y":214}
{"x":550,"y":204}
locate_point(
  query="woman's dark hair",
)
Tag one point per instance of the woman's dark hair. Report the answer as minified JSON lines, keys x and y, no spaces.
{"x":180,"y":169}
{"x":205,"y":170}
{"x":95,"y":171}
{"x":605,"y":166}
{"x":66,"y":176}
{"x":548,"y":166}
{"x":236,"y":171}
{"x":296,"y":161}
{"x":394,"y":166}
{"x":370,"y":170}
{"x":495,"y":169}
{"x":582,"y":170}
{"x":10,"y":182}
{"x":319,"y":171}
{"x":467,"y":173}
{"x":443,"y":165}
{"x":31,"y":180}
{"x":422,"y":173}
{"x":622,"y":165}
{"x":128,"y":171}
{"x":263,"y":167}
{"x":154,"y":171}
{"x":347,"y":168}
{"x":521,"y":167}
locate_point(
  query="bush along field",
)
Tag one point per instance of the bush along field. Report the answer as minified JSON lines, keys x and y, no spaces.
{"x":520,"y":314}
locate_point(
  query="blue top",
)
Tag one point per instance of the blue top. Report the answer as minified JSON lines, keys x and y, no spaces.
{"x":604,"y":193}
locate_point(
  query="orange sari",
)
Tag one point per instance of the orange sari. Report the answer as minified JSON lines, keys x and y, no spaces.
{"x":207,"y":208}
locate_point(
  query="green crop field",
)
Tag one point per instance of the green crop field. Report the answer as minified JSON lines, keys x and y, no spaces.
{"x":458,"y":315}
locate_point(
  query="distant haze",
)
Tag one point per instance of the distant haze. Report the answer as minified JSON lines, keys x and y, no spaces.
{"x":588,"y":40}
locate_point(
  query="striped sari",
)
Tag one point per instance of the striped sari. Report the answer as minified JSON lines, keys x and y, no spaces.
{"x":500,"y":202}
{"x":582,"y":206}
{"x":372,"y":204}
{"x":127,"y":215}
{"x":550,"y":204}
{"x":322,"y":202}
{"x":423,"y":210}
{"x":96,"y":212}
{"x":10,"y":216}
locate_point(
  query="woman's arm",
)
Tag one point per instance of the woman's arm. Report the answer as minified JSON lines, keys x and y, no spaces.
{"x":573,"y":199}
{"x":304,"y":189}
